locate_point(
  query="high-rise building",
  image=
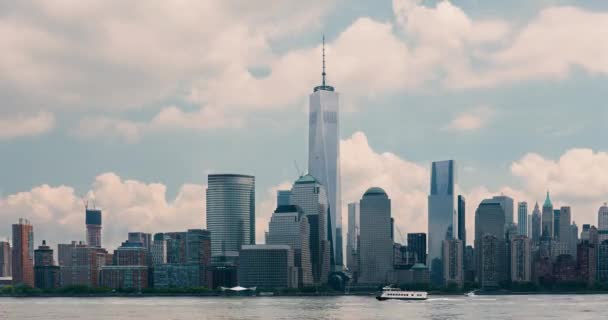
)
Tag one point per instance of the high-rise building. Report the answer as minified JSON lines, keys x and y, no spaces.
{"x":324,"y":156}
{"x":376,"y":245}
{"x":267,"y":266}
{"x":507,"y":205}
{"x":442,"y":218}
{"x":5,"y":259}
{"x":547,"y":219}
{"x":23,"y":253}
{"x":416,"y":243}
{"x":352,"y":243}
{"x":490,"y":242}
{"x":130,"y":267}
{"x":587,"y":261}
{"x":80,"y":264}
{"x":536,"y":225}
{"x":159,"y":249}
{"x":602,"y":223}
{"x":289,"y":226}
{"x":283,"y":197}
{"x":144,"y":238}
{"x":602,"y":262}
{"x":556,"y":219}
{"x":462,"y":231}
{"x":521,"y":259}
{"x":522,"y":218}
{"x":573,"y":239}
{"x":310,"y":195}
{"x":93,"y":224}
{"x":453,"y":262}
{"x":46,"y":273}
{"x":565,"y":236}
{"x":230,"y":214}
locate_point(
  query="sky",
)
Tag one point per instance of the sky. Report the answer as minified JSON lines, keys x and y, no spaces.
{"x":131,"y":104}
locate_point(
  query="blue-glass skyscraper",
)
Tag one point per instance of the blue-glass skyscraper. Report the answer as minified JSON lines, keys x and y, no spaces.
{"x":442,"y":219}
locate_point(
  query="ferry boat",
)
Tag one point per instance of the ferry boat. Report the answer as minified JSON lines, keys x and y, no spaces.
{"x":390,"y":293}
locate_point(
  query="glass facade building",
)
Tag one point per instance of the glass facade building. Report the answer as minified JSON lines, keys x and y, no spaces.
{"x":93,"y":224}
{"x":462,"y":216}
{"x":442,"y":217}
{"x":324,"y":158}
{"x":267,"y":266}
{"x":352,"y":238}
{"x":490,"y":243}
{"x":522,"y":218}
{"x":230,"y":214}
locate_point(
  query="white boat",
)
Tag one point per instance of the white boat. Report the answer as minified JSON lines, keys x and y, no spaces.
{"x":390,"y":293}
{"x":471,"y":294}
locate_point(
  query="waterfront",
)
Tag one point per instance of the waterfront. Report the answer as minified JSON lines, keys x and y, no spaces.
{"x":572,"y":307}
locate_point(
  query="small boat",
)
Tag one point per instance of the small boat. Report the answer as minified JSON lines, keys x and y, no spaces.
{"x":470,"y":294}
{"x":390,"y":293}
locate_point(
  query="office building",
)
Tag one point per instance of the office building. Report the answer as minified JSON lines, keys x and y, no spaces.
{"x":556,"y":220}
{"x":521,"y":259}
{"x":324,"y":157}
{"x":267,"y":266}
{"x":490,"y":243}
{"x":416,"y":243}
{"x":5,"y":259}
{"x":602,"y":262}
{"x":46,"y":273}
{"x":283,"y":197}
{"x":376,"y":245}
{"x":442,"y":216}
{"x":507,"y":205}
{"x":462,"y":231}
{"x":547,"y":219}
{"x":587,"y":262}
{"x":23,"y":253}
{"x":141,"y":237}
{"x":522,"y":218}
{"x":352,"y":239}
{"x":309,"y":195}
{"x":159,"y":249}
{"x":453,"y":262}
{"x":230,"y":214}
{"x":93,"y":225}
{"x":289,"y":226}
{"x":130,"y":266}
{"x":602,"y":223}
{"x":536,"y":225}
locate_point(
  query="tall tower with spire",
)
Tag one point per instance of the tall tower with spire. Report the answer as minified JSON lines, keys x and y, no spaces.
{"x":547,"y":219}
{"x":324,"y":156}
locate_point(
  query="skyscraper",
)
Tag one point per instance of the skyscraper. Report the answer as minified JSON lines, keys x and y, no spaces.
{"x":289,"y":226}
{"x":93,"y":222}
{"x":565,"y":235}
{"x":462,"y":231}
{"x":5,"y":259}
{"x":376,"y":245}
{"x":416,"y":243}
{"x":310,"y":195}
{"x":230,"y":214}
{"x":602,"y":223}
{"x":556,"y":219}
{"x":536,"y":225}
{"x":352,"y":244}
{"x":547,"y":218}
{"x":490,"y":242}
{"x":453,"y":262}
{"x":507,"y":205}
{"x":522,"y":218}
{"x":521,"y":255}
{"x":283,"y":197}
{"x":442,"y":219}
{"x":23,"y":253}
{"x":324,"y":155}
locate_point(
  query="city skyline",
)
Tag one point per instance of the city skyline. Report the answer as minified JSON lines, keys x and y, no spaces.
{"x":380,"y":145}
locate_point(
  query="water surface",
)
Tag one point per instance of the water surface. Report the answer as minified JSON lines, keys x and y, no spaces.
{"x":571,"y":307}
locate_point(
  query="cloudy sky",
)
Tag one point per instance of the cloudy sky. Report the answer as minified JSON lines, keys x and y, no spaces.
{"x":134,"y":103}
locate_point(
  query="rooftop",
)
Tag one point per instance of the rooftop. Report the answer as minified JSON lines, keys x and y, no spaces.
{"x":374,"y":191}
{"x":307,"y":178}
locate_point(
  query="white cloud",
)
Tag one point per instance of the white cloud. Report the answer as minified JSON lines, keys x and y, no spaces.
{"x":472,"y":120}
{"x":26,"y":125}
{"x":57,"y":213}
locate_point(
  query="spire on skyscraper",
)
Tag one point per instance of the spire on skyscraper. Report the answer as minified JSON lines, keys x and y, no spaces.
{"x":548,"y":201}
{"x":323,"y":74}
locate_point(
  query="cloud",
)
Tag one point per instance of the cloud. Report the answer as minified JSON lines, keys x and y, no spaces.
{"x":472,"y":120}
{"x":405,"y":182}
{"x":57,"y":212}
{"x":26,"y":125}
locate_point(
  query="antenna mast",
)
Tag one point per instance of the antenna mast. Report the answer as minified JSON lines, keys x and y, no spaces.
{"x":323,"y":74}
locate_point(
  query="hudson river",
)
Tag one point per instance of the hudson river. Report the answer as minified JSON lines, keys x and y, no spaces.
{"x":571,"y":307}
